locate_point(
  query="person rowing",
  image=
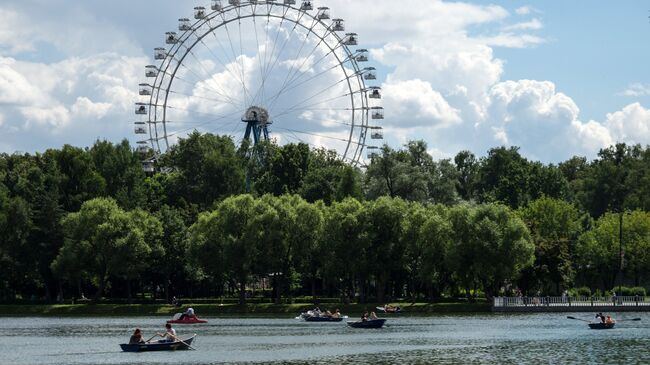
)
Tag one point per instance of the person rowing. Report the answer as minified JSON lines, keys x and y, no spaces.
{"x":601,"y":317}
{"x":169,"y":335}
{"x":609,"y":320}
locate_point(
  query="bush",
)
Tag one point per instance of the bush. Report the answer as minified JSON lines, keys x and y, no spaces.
{"x":580,"y":292}
{"x":630,"y":291}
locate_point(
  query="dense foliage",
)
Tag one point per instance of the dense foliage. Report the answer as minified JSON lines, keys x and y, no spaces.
{"x":222,"y":220}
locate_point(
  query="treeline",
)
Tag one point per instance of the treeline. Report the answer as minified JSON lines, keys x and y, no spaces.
{"x":76,"y":221}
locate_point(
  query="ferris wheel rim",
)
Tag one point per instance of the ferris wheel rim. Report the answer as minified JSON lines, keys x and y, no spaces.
{"x":198,"y":29}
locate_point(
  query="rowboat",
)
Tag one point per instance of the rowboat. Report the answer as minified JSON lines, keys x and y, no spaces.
{"x":187,"y":320}
{"x":322,"y":319}
{"x":391,"y":310}
{"x":601,"y":326}
{"x":371,"y":323}
{"x":181,"y":344}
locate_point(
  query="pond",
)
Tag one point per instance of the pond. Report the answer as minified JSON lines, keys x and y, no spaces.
{"x":448,"y":339}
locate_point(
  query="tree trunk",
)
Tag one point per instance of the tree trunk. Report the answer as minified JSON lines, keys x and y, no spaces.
{"x":100,"y":290}
{"x":242,"y":292}
{"x":313,"y":288}
{"x":128,"y":291}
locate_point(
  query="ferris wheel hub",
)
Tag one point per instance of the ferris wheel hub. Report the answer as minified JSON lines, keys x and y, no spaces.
{"x":257,"y":115}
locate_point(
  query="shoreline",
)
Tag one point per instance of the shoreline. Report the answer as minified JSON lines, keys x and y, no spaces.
{"x":226,"y":310}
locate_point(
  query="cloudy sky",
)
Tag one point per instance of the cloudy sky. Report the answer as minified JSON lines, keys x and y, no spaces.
{"x":556,"y":78}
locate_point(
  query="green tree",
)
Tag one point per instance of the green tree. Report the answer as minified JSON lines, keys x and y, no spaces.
{"x":503,"y":177}
{"x":206,"y":168}
{"x":101,"y":240}
{"x":346,"y":247}
{"x":504,"y":244}
{"x":555,"y":226}
{"x":385,"y":254}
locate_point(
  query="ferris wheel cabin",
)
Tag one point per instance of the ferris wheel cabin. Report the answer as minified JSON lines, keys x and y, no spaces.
{"x":199,"y":12}
{"x":184,"y":24}
{"x":374,"y":92}
{"x":323,"y":13}
{"x":306,"y":5}
{"x":150,"y":71}
{"x":338,"y":25}
{"x":216,"y":5}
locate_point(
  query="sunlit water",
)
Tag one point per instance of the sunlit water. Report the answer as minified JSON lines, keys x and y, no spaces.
{"x":466,"y":339}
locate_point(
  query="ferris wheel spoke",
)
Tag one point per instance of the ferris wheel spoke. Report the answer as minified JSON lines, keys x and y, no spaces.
{"x":241,"y":60}
{"x":202,"y":83}
{"x":218,"y":89}
{"x":232,"y":48}
{"x":192,"y":111}
{"x":205,"y":98}
{"x":297,"y":56}
{"x":293,"y":77}
{"x":259,"y":59}
{"x":291,"y":86}
{"x":319,"y":135}
{"x":279,"y":93}
{"x":222,"y":48}
{"x":284,"y":44}
{"x":317,"y":94}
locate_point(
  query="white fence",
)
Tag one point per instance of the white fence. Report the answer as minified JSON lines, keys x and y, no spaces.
{"x":565,"y":301}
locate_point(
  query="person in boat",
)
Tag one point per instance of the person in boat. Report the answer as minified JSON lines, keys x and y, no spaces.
{"x":364,"y":316}
{"x":189,"y":313}
{"x":373,"y":316}
{"x":609,"y":320}
{"x":336,"y":314}
{"x":169,"y":335}
{"x":136,"y":337}
{"x":601,"y":317}
{"x":328,"y":314}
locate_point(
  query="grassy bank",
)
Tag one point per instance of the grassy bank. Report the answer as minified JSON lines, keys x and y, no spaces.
{"x":224,"y":310}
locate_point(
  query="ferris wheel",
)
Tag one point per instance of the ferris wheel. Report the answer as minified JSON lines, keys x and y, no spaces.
{"x":257,"y":70}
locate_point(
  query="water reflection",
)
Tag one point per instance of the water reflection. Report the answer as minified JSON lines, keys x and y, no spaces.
{"x":484,"y":339}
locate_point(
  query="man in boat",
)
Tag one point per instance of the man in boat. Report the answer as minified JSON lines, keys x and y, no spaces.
{"x":189,"y":313}
{"x":336,"y":314}
{"x":609,"y":320}
{"x":601,"y":317}
{"x":373,"y":316}
{"x":136,"y":337}
{"x":169,"y":335}
{"x":364,"y":316}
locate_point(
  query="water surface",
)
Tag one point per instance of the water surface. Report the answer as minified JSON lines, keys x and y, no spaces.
{"x":449,"y":339}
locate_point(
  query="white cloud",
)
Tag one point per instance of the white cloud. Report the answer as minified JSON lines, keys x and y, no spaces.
{"x":533,"y":24}
{"x":636,"y":90}
{"x":524,"y":10}
{"x":422,"y":105}
{"x":631,"y":124}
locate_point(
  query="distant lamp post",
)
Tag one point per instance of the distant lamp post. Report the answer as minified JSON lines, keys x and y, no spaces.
{"x":621,"y":254}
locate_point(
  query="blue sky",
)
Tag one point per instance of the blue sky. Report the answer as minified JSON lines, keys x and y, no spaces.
{"x":556,"y":78}
{"x":593,"y":52}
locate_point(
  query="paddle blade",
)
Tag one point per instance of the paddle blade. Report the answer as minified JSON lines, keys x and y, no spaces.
{"x":569,"y":317}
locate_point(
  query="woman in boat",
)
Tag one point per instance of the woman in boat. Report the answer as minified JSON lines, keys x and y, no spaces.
{"x":169,"y":335}
{"x":336,"y":314}
{"x":364,"y":316}
{"x":136,"y":337}
{"x":373,"y":316}
{"x":609,"y":320}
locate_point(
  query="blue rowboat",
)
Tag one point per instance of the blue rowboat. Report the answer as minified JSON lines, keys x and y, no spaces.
{"x":601,"y":326}
{"x":372,"y":323}
{"x":322,"y":319}
{"x":182,"y":344}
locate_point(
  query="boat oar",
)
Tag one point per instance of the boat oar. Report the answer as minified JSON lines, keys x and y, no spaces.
{"x":627,"y":320}
{"x":577,"y":319}
{"x":147,"y":341}
{"x":184,"y":343}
